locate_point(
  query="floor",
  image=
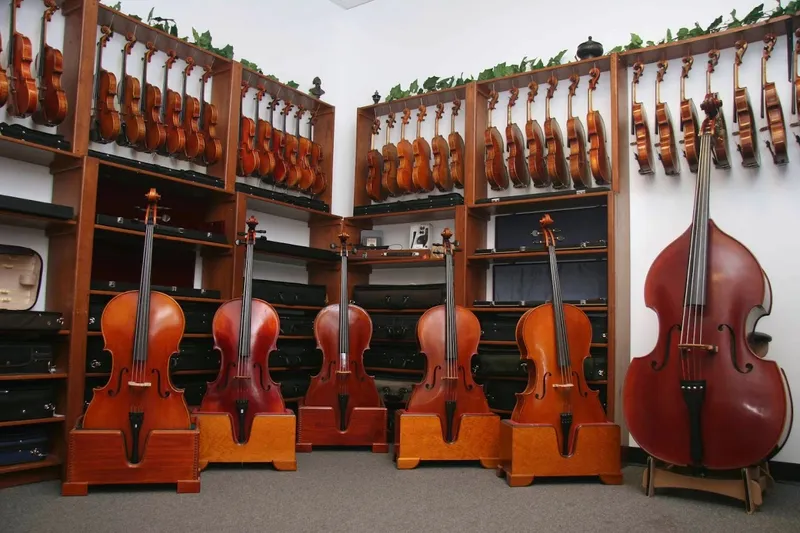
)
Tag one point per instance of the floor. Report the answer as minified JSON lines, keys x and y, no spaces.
{"x":347,"y":491}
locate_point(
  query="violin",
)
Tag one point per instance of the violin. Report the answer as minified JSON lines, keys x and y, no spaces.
{"x":517,"y":165}
{"x":719,"y":143}
{"x":266,"y":159}
{"x":155,"y":134}
{"x":307,"y":176}
{"x":208,"y":120}
{"x":576,"y":141}
{"x":53,"y":100}
{"x":3,"y":79}
{"x":598,"y":153}
{"x":703,"y":397}
{"x":689,"y":123}
{"x":107,"y":121}
{"x":389,"y":152}
{"x":343,"y":332}
{"x":795,"y":85}
{"x":195,"y":143}
{"x":245,"y":332}
{"x":639,"y":127}
{"x":448,"y":336}
{"x":554,"y":339}
{"x":556,"y":162}
{"x":405,"y":157}
{"x":774,"y":111}
{"x":375,"y":189}
{"x":456,"y":145}
{"x":279,"y":147}
{"x":249,"y":158}
{"x":535,"y":141}
{"x":668,"y":152}
{"x":320,"y":183}
{"x":291,"y":155}
{"x":495,"y":169}
{"x":23,"y":88}
{"x":142,"y":330}
{"x":130,"y":95}
{"x":422,"y":175}
{"x":171,"y":111}
{"x":743,"y":114}
{"x":441,"y":155}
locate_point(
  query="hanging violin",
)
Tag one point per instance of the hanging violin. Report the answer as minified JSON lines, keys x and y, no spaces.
{"x":495,"y":169}
{"x":774,"y":111}
{"x":107,"y":122}
{"x":279,"y":144}
{"x":276,"y":145}
{"x":421,"y":175}
{"x":24,"y":94}
{"x":292,"y":148}
{"x":456,"y":145}
{"x":576,"y":141}
{"x":171,"y":112}
{"x":719,"y":143}
{"x":307,"y":176}
{"x":743,"y":114}
{"x":248,"y":159}
{"x":639,"y":126}
{"x":668,"y":151}
{"x":517,"y":166}
{"x":389,"y":153}
{"x":441,"y":155}
{"x":53,"y":100}
{"x":195,"y":142}
{"x":266,"y":159}
{"x":155,"y":133}
{"x":405,"y":157}
{"x":375,"y":189}
{"x":556,"y":162}
{"x":535,"y":141}
{"x":320,"y":183}
{"x":598,"y":153}
{"x":132,"y":130}
{"x":3,"y":79}
{"x":208,"y":121}
{"x":689,"y":123}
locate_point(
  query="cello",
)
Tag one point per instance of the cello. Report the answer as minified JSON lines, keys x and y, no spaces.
{"x":598,"y":153}
{"x":448,"y":336}
{"x":389,"y":152}
{"x":689,"y":123}
{"x":576,"y":141}
{"x":441,"y":155}
{"x":320,"y":183}
{"x":702,"y":397}
{"x":24,"y":95}
{"x":208,"y":122}
{"x":554,"y":338}
{"x":53,"y":100}
{"x":342,"y":382}
{"x":155,"y":134}
{"x":720,"y":150}
{"x":774,"y":111}
{"x":245,"y":332}
{"x":517,"y":165}
{"x":130,"y":95}
{"x":639,"y":126}
{"x":668,"y":151}
{"x":495,"y":169}
{"x":456,"y":145}
{"x":375,"y":188}
{"x":249,"y":158}
{"x":556,"y":162}
{"x":744,"y":116}
{"x":195,"y":141}
{"x":535,"y":140}
{"x":405,"y":157}
{"x":421,"y":175}
{"x":142,"y":330}
{"x":107,"y":122}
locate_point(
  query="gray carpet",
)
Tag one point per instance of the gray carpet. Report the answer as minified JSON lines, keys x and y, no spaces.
{"x":346,"y":491}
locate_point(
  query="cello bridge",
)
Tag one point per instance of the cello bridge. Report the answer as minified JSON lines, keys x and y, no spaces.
{"x":710,"y":348}
{"x":139,"y":384}
{"x":562,"y":385}
{"x":343,"y":372}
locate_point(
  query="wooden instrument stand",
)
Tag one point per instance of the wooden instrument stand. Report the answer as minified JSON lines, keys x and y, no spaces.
{"x":271,"y":440}
{"x":97,"y":457}
{"x":747,"y":485}
{"x":531,"y":450}
{"x":418,"y":437}
{"x":317,"y":426}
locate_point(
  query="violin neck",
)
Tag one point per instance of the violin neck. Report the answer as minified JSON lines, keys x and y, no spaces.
{"x":42,"y":44}
{"x":121,"y":88}
{"x":183,"y":95}
{"x":142,"y":328}
{"x":558,"y":310}
{"x":247,"y":305}
{"x":591,"y":105}
{"x":97,"y":70}
{"x":696,"y":276}
{"x":344,"y":309}
{"x":203,"y":100}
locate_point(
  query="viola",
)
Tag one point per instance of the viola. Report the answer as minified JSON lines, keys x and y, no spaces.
{"x":421,"y":175}
{"x":3,"y":80}
{"x":130,"y":95}
{"x":598,"y":152}
{"x":405,"y":157}
{"x":448,"y":336}
{"x":245,"y":332}
{"x":307,"y":176}
{"x":702,"y":397}
{"x":142,"y":330}
{"x":668,"y":152}
{"x":375,"y":189}
{"x":320,"y":182}
{"x":195,"y":143}
{"x":248,"y":158}
{"x":639,"y":126}
{"x":53,"y":100}
{"x":576,"y":141}
{"x":517,"y":165}
{"x":743,"y":115}
{"x":495,"y":169}
{"x":554,"y":339}
{"x":24,"y":94}
{"x":107,"y":121}
{"x":456,"y":145}
{"x":689,"y":123}
{"x":556,"y":162}
{"x":389,"y":153}
{"x":266,"y":159}
{"x":171,"y":112}
{"x":774,"y":111}
{"x":537,"y":167}
{"x":720,"y":150}
{"x":208,"y":120}
{"x":292,"y":153}
{"x":441,"y":155}
{"x":279,"y":147}
{"x":155,"y":134}
{"x":343,"y":332}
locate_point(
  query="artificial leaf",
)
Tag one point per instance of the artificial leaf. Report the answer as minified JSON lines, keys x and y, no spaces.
{"x":250,"y":65}
{"x":522,"y":64}
{"x":556,"y":60}
{"x":669,"y":35}
{"x":117,"y":6}
{"x":650,"y":43}
{"x":500,"y":70}
{"x":445,"y":83}
{"x":272,"y":77}
{"x":537,"y":64}
{"x":414,"y":87}
{"x":683,"y":33}
{"x":755,"y":14}
{"x":394,"y":93}
{"x":616,"y":49}
{"x":150,"y":15}
{"x":226,"y":52}
{"x":487,"y":74}
{"x":137,"y":17}
{"x":430,"y":83}
{"x":293,"y":84}
{"x":714,"y":25}
{"x":460,"y":80}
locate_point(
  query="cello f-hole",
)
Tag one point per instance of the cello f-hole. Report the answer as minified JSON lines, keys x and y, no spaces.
{"x":430,"y":385}
{"x":582,"y":392}
{"x":161,"y":394}
{"x":112,"y":392}
{"x":544,"y":387}
{"x":464,"y":378}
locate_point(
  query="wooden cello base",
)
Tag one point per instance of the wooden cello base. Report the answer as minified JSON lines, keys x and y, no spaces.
{"x":746,"y":485}
{"x":528,"y":451}
{"x":317,"y":426}
{"x":271,"y":440}
{"x":98,"y":457}
{"x":418,"y":437}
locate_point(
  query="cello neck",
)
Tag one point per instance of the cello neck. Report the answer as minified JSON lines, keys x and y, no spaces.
{"x":558,"y":310}
{"x":344,"y":312}
{"x":142,"y":328}
{"x":450,"y":318}
{"x":247,"y":302}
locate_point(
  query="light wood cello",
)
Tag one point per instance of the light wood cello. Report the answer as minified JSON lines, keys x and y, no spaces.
{"x":535,"y":141}
{"x":639,"y":126}
{"x":689,"y":123}
{"x":771,"y":100}
{"x":598,"y":151}
{"x":743,"y":115}
{"x":576,"y":140}
{"x":667,"y":147}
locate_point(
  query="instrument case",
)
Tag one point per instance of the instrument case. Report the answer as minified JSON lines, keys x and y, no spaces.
{"x":300,"y":201}
{"x":498,"y":361}
{"x":394,"y":357}
{"x":503,"y":326}
{"x":31,"y":357}
{"x":573,"y":226}
{"x":395,"y":390}
{"x":294,"y":384}
{"x":295,"y":353}
{"x":285,"y":293}
{"x":431,"y":202}
{"x":20,"y":283}
{"x":124,"y":286}
{"x":394,"y":327}
{"x":582,"y":280}
{"x":399,"y":296}
{"x":281,"y":248}
{"x":161,"y":229}
{"x":194,"y":388}
{"x":188,"y":175}
{"x":296,"y":322}
{"x":22,"y":206}
{"x":23,"y":445}
{"x":502,"y":394}
{"x":26,"y":400}
{"x":18,"y":131}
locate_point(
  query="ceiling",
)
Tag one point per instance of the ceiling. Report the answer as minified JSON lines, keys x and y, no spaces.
{"x":350,"y":4}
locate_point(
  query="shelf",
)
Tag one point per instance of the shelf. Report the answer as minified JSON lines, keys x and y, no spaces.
{"x":514,"y":343}
{"x":279,"y":90}
{"x":585,"y":308}
{"x":29,"y":152}
{"x":177,"y":298}
{"x":501,"y":411}
{"x":509,"y":258}
{"x":285,"y":210}
{"x":291,"y":258}
{"x":298,"y":307}
{"x":293,"y":368}
{"x":296,"y":337}
{"x":484,"y":379}
{"x":543,"y":202}
{"x":403,"y":262}
{"x":561,"y":72}
{"x":50,"y":460}
{"x":185,"y":335}
{"x":157,"y":236}
{"x":407,"y":217}
{"x":194,"y":372}
{"x":413,"y":102}
{"x":22,"y":220}
{"x":32,"y":377}
{"x":412,"y":371}
{"x":57,"y":419}
{"x":140,"y":172}
{"x":396,"y":311}
{"x":597,"y":382}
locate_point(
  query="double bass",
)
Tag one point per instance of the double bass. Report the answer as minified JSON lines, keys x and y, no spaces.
{"x":720,"y":149}
{"x":441,"y":155}
{"x":495,"y":169}
{"x":535,"y":141}
{"x":389,"y":152}
{"x":245,"y":332}
{"x":24,"y":94}
{"x":668,"y":151}
{"x":517,"y":165}
{"x":554,"y":339}
{"x":448,"y":336}
{"x":556,"y":162}
{"x":107,"y":121}
{"x":155,"y":134}
{"x":598,"y":151}
{"x":343,"y":332}
{"x":52,"y":98}
{"x":405,"y":157}
{"x":771,"y":100}
{"x":421,"y":175}
{"x":743,"y":115}
{"x":690,"y":126}
{"x":130,"y":96}
{"x":702,"y":397}
{"x":375,"y":188}
{"x":456,"y":145}
{"x":576,"y":141}
{"x":142,"y":330}
{"x":639,"y":126}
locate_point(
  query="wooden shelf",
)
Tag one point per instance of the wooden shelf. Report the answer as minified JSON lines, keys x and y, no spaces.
{"x":177,"y":298}
{"x":501,"y":411}
{"x":413,"y":102}
{"x":292,"y":259}
{"x":156,"y":175}
{"x":585,"y":308}
{"x":396,"y":311}
{"x":194,"y":372}
{"x":50,"y":460}
{"x":507,"y":258}
{"x":542,"y":202}
{"x":514,"y":343}
{"x":22,"y":220}
{"x":32,"y":377}
{"x":285,"y":210}
{"x":404,"y":262}
{"x":298,"y":307}
{"x":412,"y":371}
{"x":57,"y":419}
{"x":157,"y":236}
{"x":185,"y":335}
{"x":407,"y":217}
{"x":597,"y":382}
{"x":296,"y":337}
{"x":561,"y":72}
{"x":29,"y":152}
{"x":293,"y":368}
{"x":283,"y":91}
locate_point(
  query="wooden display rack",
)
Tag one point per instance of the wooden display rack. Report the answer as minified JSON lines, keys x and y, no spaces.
{"x":317,"y":426}
{"x":747,"y":485}
{"x":528,"y":451}
{"x":418,"y":437}
{"x":97,"y":457}
{"x":271,"y":440}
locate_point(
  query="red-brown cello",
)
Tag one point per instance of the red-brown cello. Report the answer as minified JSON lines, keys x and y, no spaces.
{"x":342,"y":383}
{"x":448,"y":336}
{"x":245,"y":333}
{"x":142,"y":330}
{"x":702,"y":397}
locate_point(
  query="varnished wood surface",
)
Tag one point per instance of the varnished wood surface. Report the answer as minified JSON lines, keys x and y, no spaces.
{"x":272,"y":440}
{"x":318,"y":426}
